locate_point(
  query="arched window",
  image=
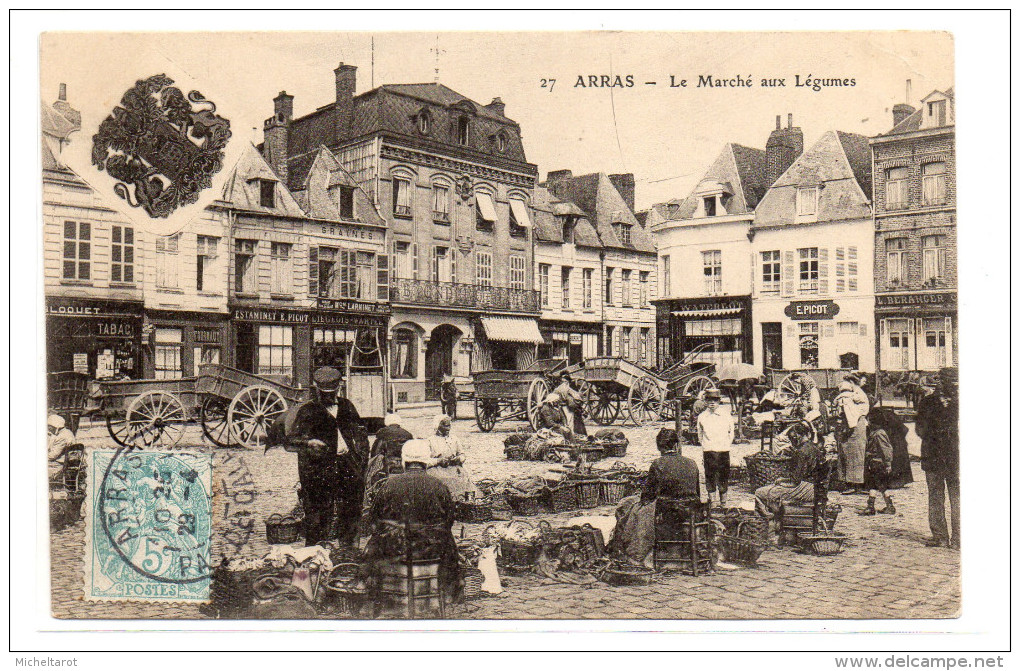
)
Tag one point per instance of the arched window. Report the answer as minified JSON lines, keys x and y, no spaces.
{"x":404,"y":354}
{"x":424,"y":122}
{"x":463,"y":130}
{"x":502,"y":142}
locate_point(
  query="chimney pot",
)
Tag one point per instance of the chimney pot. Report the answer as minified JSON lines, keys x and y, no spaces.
{"x":63,"y":92}
{"x":789,"y":120}
{"x":779,"y":121}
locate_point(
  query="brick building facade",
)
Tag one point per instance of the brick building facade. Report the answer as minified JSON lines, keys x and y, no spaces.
{"x":914,"y":167}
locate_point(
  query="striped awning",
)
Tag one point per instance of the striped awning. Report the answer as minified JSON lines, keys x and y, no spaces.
{"x":512,"y":329}
{"x":717,"y":312}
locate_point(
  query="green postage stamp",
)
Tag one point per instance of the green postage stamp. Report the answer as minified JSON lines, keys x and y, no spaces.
{"x":148,"y":526}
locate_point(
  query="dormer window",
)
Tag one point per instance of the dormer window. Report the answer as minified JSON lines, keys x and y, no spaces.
{"x":712,"y":196}
{"x":623,"y":232}
{"x":502,"y":142}
{"x":807,"y":201}
{"x":710,"y":206}
{"x":463,"y":131}
{"x":568,"y":230}
{"x":937,"y":112}
{"x":267,"y":193}
{"x":343,"y":196}
{"x":424,"y":123}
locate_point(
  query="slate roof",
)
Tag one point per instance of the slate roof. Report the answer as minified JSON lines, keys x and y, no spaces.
{"x":242,"y":192}
{"x":395,"y":108}
{"x":549,"y":215}
{"x":858,"y":153}
{"x":913,"y":122}
{"x":312,"y":193}
{"x":596,"y":195}
{"x":742,"y":168}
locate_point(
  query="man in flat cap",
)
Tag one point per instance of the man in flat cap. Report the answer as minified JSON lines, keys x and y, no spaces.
{"x":938,"y":425}
{"x":331,"y":460}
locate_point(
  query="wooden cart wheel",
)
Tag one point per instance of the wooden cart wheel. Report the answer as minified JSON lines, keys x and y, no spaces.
{"x":789,"y":389}
{"x":644,"y":401}
{"x":486,"y":414}
{"x":696,"y":385}
{"x":155,"y":419}
{"x":606,"y":407}
{"x":117,"y":426}
{"x":251,"y":413}
{"x":214,"y":421}
{"x":537,"y":391}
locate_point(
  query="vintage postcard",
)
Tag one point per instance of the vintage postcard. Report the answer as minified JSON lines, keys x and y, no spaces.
{"x":501,"y":326}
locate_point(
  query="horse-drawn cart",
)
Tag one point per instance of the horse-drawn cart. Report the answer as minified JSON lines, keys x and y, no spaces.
{"x":233,"y":406}
{"x":502,"y":395}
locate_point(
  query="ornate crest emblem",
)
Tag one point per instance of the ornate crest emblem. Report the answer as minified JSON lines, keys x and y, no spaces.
{"x":464,"y":189}
{"x":162,"y":150}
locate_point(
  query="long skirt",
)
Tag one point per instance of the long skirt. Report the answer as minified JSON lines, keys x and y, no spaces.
{"x":768,"y":499}
{"x":851,"y":454}
{"x":635,"y":530}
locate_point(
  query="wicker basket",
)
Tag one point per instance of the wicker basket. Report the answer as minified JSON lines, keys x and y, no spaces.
{"x":589,"y":493}
{"x":563,"y":497}
{"x":615,"y":448}
{"x":823,"y":543}
{"x":347,"y":594}
{"x":765,"y":468}
{"x":473,"y":580}
{"x":514,"y":452}
{"x":473,"y":512}
{"x":740,"y":550}
{"x":282,"y":530}
{"x":612,"y":491}
{"x":525,"y":504}
{"x":517,"y":557}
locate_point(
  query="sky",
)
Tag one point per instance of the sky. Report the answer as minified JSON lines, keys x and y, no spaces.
{"x":667,"y":136}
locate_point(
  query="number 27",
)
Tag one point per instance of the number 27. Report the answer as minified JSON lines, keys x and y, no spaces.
{"x":549,"y":84}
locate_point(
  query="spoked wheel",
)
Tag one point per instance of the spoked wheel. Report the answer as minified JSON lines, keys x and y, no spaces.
{"x":696,"y":385}
{"x":118,"y":428}
{"x":214,"y":421}
{"x":537,"y":392}
{"x":789,"y":389}
{"x":586,"y":392}
{"x":605,"y":407}
{"x":155,"y":419}
{"x":251,"y":413}
{"x":644,"y":401}
{"x":486,"y":412}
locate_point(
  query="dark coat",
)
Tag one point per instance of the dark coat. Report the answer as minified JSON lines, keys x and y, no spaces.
{"x":938,"y":425}
{"x":886,"y":419}
{"x":673,"y":476}
{"x":552,"y":418}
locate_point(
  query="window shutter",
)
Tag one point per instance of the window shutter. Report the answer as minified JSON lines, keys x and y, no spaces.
{"x":382,"y":277}
{"x":851,"y":253}
{"x":823,"y":271}
{"x":827,"y":331}
{"x":453,"y":265}
{"x":864,"y":329}
{"x":789,"y":270}
{"x":791,"y":331}
{"x":414,"y":259}
{"x":755,"y":279}
{"x":313,"y":270}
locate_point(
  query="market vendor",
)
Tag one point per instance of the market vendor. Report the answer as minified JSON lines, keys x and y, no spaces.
{"x":852,"y":403}
{"x":415,"y":505}
{"x":552,"y":417}
{"x":670,"y":476}
{"x":390,"y":439}
{"x":446,"y":461}
{"x":799,"y":488}
{"x":573,"y":404}
{"x":58,"y":439}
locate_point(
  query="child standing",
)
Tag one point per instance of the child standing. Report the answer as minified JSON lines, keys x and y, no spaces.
{"x":715,"y":433}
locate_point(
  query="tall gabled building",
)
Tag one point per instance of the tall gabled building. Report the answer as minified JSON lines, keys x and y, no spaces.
{"x":915,"y":236}
{"x":629,"y":280}
{"x":451,"y":179}
{"x":704,"y":310}
{"x":811,"y":253}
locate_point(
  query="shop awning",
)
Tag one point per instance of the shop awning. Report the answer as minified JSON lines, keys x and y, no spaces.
{"x":520,"y":212}
{"x":512,"y":329}
{"x":717,"y":312}
{"x":486,"y":206}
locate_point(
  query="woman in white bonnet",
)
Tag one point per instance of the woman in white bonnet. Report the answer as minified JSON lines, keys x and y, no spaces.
{"x":447,"y":461}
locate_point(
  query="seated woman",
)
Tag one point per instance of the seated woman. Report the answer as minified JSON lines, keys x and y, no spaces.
{"x":799,"y":488}
{"x":58,"y":439}
{"x":446,"y":462}
{"x":552,"y":417}
{"x":669,"y":476}
{"x":573,"y":404}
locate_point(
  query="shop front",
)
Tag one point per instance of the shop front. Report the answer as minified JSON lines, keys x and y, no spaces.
{"x":573,"y":341}
{"x":716,"y":330}
{"x":99,"y":338}
{"x":917,"y":331}
{"x":818,"y":333}
{"x":351,"y":336}
{"x":273,"y":342}
{"x":178,"y":343}
{"x":508,"y":343}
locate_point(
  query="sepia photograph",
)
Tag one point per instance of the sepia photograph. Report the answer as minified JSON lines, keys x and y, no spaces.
{"x":431,"y":332}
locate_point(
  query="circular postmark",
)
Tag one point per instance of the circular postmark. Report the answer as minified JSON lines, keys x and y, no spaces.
{"x":155,"y":510}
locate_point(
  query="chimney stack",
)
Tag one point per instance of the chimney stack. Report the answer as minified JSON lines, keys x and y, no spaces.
{"x":346,"y":83}
{"x":275,"y":148}
{"x":901,"y":111}
{"x":782,"y":149}
{"x":779,"y":121}
{"x":554,"y":176}
{"x":624,"y":184}
{"x":65,"y":109}
{"x":497,"y":106}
